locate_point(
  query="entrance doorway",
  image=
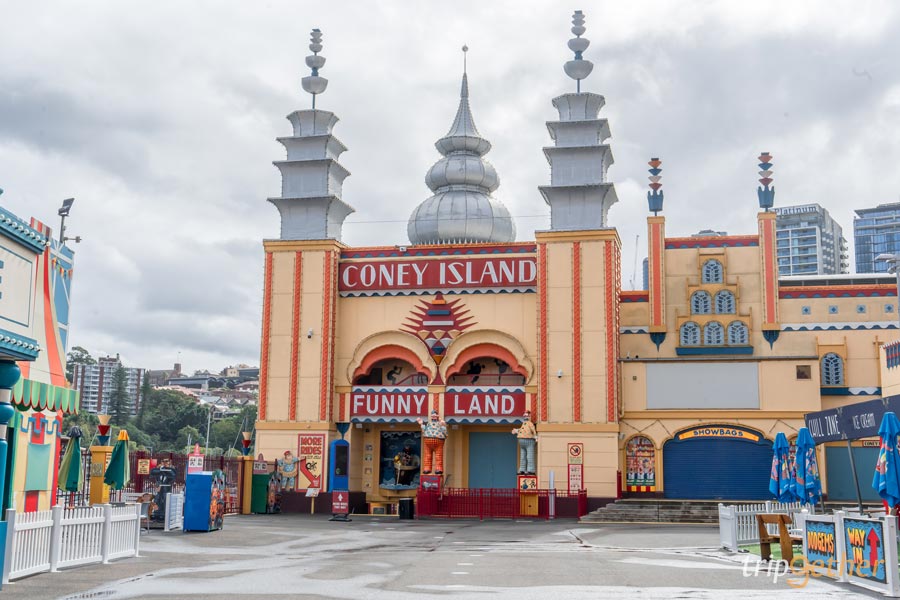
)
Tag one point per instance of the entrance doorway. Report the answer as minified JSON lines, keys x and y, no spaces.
{"x":493,"y":458}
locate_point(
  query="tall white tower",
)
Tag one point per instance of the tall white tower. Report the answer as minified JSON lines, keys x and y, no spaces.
{"x":310,"y":204}
{"x":579,"y":195}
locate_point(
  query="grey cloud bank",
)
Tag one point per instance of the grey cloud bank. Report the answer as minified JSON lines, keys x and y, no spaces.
{"x":161,"y":122}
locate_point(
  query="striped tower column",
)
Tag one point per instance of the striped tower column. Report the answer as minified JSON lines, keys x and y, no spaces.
{"x":767,"y":251}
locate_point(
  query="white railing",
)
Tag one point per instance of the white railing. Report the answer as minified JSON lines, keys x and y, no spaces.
{"x":737,"y":523}
{"x":27,"y":543}
{"x":174,"y":512}
{"x":64,"y":537}
{"x":80,"y":541}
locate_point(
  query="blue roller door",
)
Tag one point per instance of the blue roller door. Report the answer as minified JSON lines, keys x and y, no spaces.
{"x":493,"y":459}
{"x":717,"y":469}
{"x":840,"y":477}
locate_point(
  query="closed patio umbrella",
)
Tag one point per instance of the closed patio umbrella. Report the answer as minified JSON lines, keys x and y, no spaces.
{"x":780,"y":479}
{"x":807,"y":484}
{"x":118,"y":471}
{"x":71,"y":473}
{"x":887,"y":470}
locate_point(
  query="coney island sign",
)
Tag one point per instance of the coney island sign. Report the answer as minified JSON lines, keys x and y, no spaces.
{"x":451,"y":274}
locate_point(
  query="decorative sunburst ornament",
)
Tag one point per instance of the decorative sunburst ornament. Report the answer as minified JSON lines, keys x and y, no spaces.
{"x":437,"y":323}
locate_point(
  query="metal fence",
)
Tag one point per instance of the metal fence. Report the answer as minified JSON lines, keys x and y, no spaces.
{"x":63,"y":537}
{"x":487,"y":503}
{"x":737,"y":522}
{"x":143,"y":483}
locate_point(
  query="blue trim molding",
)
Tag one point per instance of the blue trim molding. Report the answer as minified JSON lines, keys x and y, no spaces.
{"x":18,"y":347}
{"x":15,"y":228}
{"x":712,"y":350}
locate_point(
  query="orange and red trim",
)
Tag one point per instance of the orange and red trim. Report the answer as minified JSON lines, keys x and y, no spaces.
{"x":542,"y":330}
{"x":295,"y":335}
{"x":327,"y":309}
{"x":266,"y":328}
{"x":576,"y":331}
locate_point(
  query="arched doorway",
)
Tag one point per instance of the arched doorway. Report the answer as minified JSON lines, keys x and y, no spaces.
{"x":717,"y":462}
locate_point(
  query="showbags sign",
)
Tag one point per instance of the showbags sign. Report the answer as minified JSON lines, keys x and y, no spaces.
{"x":451,"y":274}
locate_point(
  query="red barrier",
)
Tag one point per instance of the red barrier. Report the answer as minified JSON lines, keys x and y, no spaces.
{"x":488,"y":503}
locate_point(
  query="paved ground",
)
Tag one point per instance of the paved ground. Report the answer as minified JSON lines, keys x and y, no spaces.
{"x":295,"y":556}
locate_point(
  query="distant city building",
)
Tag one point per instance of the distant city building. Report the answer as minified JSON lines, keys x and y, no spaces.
{"x":810,"y":242}
{"x":159,"y":377}
{"x":95,"y":383}
{"x":709,"y":233}
{"x":876,"y":231}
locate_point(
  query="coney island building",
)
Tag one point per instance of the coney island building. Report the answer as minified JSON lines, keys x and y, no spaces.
{"x":675,"y":391}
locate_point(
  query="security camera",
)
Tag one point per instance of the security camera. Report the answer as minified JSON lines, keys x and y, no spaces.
{"x":309,"y":334}
{"x":559,"y":373}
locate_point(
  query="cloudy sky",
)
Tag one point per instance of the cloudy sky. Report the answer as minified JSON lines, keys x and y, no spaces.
{"x":160,"y":119}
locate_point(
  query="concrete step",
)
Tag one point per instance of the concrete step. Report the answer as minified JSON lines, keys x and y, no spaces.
{"x":662,"y":511}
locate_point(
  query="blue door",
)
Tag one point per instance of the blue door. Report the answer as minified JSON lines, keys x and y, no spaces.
{"x":714,"y":468}
{"x":493,"y":458}
{"x":840,"y":476}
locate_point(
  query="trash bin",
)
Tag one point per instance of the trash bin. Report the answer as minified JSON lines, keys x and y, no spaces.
{"x":406,"y":510}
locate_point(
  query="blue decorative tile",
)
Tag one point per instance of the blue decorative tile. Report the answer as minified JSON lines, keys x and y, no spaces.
{"x":805,"y":310}
{"x":832,"y":309}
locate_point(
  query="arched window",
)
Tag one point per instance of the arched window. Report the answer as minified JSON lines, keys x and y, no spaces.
{"x":714,"y":334}
{"x":690,"y":334}
{"x":712,"y":272}
{"x":725,"y":302}
{"x":738,"y":334}
{"x":832,"y":369}
{"x":701,"y":303}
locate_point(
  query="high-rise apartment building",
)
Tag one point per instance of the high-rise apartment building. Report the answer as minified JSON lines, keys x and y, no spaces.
{"x":810,"y":242}
{"x":876,"y":231}
{"x":96,"y":384}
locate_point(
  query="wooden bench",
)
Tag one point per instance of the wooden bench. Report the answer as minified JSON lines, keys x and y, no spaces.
{"x":784,"y":537}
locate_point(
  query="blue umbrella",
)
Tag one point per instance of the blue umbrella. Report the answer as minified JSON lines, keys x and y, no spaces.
{"x":887,"y":470}
{"x":780,"y":481}
{"x":806,"y":485}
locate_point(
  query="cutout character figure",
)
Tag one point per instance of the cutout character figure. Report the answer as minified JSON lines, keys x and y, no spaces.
{"x":287,"y":469}
{"x":527,"y":435}
{"x":434,"y":432}
{"x":405,"y":466}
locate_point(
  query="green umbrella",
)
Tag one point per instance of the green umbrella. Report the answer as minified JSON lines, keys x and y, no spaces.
{"x":118,"y":471}
{"x":71,"y":475}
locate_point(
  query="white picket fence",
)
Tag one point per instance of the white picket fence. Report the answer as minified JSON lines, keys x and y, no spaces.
{"x":64,"y":537}
{"x":174,"y":512}
{"x":737,"y":523}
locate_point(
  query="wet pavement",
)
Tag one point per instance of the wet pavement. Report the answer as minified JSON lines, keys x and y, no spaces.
{"x":300,"y":556}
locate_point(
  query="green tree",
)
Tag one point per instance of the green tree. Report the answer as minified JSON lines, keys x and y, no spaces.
{"x":224,"y":433}
{"x":86,"y":421}
{"x":119,"y":402}
{"x":188,"y":434}
{"x":77,"y":356}
{"x":145,"y":398}
{"x":167,"y":412}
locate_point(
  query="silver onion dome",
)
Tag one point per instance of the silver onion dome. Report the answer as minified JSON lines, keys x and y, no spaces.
{"x":461,"y":209}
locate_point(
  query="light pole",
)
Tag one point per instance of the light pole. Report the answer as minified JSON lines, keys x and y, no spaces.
{"x":893,"y":263}
{"x":63,"y":212}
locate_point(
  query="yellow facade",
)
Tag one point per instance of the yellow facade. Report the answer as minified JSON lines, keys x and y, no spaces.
{"x":591,"y":358}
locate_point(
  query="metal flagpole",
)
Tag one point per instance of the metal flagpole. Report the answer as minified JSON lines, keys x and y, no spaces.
{"x":855,"y":479}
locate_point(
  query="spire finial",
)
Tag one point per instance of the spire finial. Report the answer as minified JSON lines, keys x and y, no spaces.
{"x":579,"y":68}
{"x":655,"y":198}
{"x":314,"y":84}
{"x":465,"y":50}
{"x":766,"y":194}
{"x":464,"y":92}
